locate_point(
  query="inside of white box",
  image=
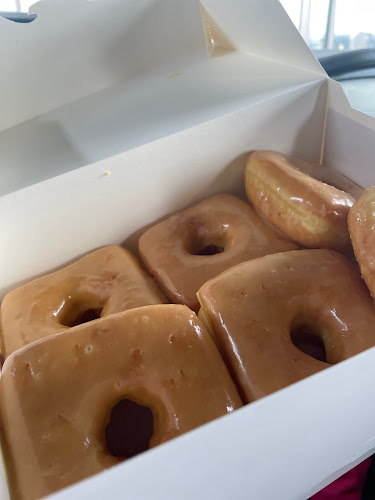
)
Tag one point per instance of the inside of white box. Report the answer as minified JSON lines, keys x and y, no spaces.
{"x":49,"y":224}
{"x":163,"y":66}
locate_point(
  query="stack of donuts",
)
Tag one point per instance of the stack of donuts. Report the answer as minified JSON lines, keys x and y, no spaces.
{"x":232,"y":301}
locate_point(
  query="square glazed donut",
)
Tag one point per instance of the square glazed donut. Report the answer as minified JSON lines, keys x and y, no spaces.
{"x":283,"y":317}
{"x":107,"y":281}
{"x":194,"y":245}
{"x":78,"y":402}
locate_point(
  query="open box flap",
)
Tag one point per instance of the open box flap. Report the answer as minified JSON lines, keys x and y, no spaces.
{"x":90,"y":79}
{"x":78,"y":47}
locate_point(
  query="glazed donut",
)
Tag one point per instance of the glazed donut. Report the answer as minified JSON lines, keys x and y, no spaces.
{"x":59,"y":396}
{"x":310,"y":212}
{"x":361,"y":223}
{"x":104,"y":282}
{"x":266,"y":312}
{"x":192,"y":246}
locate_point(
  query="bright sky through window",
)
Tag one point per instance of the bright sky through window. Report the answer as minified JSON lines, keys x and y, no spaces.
{"x":352,"y":16}
{"x":12,"y":5}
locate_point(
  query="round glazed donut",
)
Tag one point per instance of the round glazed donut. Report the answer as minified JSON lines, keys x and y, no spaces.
{"x":265,"y":313}
{"x":309,"y":211}
{"x":59,"y":396}
{"x":361,"y":223}
{"x":104,"y":282}
{"x":194,"y":245}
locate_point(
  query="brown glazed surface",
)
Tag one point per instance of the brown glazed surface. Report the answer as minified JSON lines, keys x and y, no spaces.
{"x":312,"y":213}
{"x":106,"y":281}
{"x":178,"y":251}
{"x":56,"y":395}
{"x":253,"y":307}
{"x":361,"y":222}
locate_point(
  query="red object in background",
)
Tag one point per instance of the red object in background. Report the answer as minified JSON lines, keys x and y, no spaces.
{"x":347,"y":487}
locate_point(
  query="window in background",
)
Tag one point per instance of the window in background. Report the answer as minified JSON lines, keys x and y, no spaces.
{"x":8,"y":5}
{"x":293,"y":8}
{"x":334,"y":25}
{"x":15,"y":5}
{"x":355,"y":24}
{"x":317,"y":20}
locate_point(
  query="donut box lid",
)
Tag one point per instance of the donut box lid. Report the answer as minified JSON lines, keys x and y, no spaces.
{"x":260,"y":89}
{"x":88,"y":79}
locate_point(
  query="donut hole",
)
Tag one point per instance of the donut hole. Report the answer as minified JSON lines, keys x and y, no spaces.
{"x":206,"y":246}
{"x":306,"y":336}
{"x":86,"y":316}
{"x":76,"y":313}
{"x":129,"y":430}
{"x":202,"y":239}
{"x":210,"y":250}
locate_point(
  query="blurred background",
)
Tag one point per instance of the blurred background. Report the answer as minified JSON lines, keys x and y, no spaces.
{"x":334,"y":25}
{"x":15,"y":5}
{"x":341,"y":33}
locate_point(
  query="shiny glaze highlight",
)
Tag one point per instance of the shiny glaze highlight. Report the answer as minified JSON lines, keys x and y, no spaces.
{"x":312,"y":213}
{"x":252,"y":307}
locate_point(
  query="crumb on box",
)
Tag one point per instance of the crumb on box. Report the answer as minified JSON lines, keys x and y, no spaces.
{"x":107,"y":173}
{"x":173,"y":75}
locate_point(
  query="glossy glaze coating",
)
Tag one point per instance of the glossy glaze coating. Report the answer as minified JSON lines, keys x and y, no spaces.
{"x":252,"y":308}
{"x":56,"y":395}
{"x":170,"y":250}
{"x":107,"y":281}
{"x":361,"y":222}
{"x":312,"y":213}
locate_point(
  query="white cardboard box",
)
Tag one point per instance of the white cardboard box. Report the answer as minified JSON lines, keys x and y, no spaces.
{"x":87,"y":82}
